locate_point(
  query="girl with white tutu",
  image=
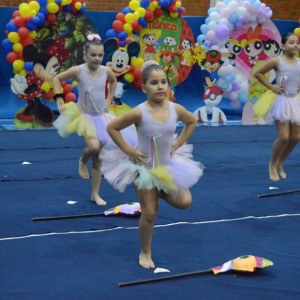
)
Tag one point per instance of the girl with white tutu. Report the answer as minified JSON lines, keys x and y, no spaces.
{"x":88,"y":117}
{"x":159,"y":166}
{"x":282,"y":102}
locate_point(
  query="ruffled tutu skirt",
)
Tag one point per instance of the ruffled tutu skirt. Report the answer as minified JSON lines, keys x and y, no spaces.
{"x":278,"y":107}
{"x":72,"y":120}
{"x":181,"y":172}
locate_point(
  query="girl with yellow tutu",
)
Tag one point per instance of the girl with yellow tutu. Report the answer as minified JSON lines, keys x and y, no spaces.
{"x":161,"y":166}
{"x":282,"y":102}
{"x":89,"y":118}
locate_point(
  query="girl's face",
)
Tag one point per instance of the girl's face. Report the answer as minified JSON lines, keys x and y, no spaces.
{"x":156,"y":86}
{"x":167,"y":59}
{"x":94,"y":56}
{"x":292,"y":45}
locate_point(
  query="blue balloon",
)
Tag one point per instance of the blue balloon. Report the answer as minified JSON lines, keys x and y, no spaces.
{"x":83,"y":8}
{"x":243,"y":97}
{"x":7,"y":45}
{"x":180,"y":10}
{"x":111,"y":33}
{"x":204,"y":29}
{"x":35,"y":20}
{"x":42,"y":3}
{"x":127,"y":10}
{"x":67,"y":8}
{"x":30,"y":26}
{"x":41,"y":17}
{"x":12,"y":27}
{"x":200,"y":38}
{"x":173,"y":89}
{"x":143,"y":22}
{"x":28,"y":66}
{"x":212,"y":9}
{"x":233,"y":18}
{"x":207,"y":20}
{"x":226,"y":2}
{"x":171,"y":2}
{"x":229,"y":77}
{"x":165,"y":4}
{"x":252,"y":2}
{"x":122,"y":36}
{"x":58,"y":2}
{"x":257,"y":4}
{"x":145,"y":3}
{"x":69,"y":81}
{"x":122,"y":44}
{"x":44,"y":11}
{"x":75,"y":90}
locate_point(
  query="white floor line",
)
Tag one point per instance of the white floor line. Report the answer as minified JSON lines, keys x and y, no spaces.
{"x":156,"y":226}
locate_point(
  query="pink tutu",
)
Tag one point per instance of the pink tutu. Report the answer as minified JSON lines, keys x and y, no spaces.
{"x":120,"y":171}
{"x":285,"y":109}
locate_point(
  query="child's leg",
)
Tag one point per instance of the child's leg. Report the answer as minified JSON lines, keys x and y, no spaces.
{"x":149,"y":206}
{"x":93,"y":147}
{"x":181,"y":200}
{"x":96,"y":178}
{"x":279,"y":144}
{"x":294,"y":137}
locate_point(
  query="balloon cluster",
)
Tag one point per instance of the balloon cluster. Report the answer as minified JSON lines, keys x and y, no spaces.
{"x":21,"y":30}
{"x":135,"y":17}
{"x":297,"y":31}
{"x":222,"y":20}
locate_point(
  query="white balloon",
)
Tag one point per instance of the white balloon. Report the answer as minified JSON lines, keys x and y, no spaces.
{"x":246,"y":4}
{"x":215,"y":47}
{"x":241,"y":11}
{"x":239,"y":79}
{"x":230,"y":26}
{"x":244,"y":87}
{"x":224,"y":50}
{"x":220,"y":6}
{"x":252,"y":18}
{"x":224,"y":21}
{"x":230,"y":68}
{"x":215,"y":17}
{"x":212,"y":26}
{"x":232,"y":5}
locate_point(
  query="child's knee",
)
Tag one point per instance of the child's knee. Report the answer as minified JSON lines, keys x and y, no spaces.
{"x":185,"y":203}
{"x":150,"y":215}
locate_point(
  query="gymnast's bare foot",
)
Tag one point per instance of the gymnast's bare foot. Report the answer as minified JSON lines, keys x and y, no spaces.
{"x":273,"y":172}
{"x":280,"y":170}
{"x":98,"y":200}
{"x":145,"y":261}
{"x":83,"y":171}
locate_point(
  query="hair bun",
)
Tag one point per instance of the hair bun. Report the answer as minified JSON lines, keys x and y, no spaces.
{"x":149,"y":63}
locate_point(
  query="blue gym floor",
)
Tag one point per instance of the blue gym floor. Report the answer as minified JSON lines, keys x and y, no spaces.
{"x":86,"y":258}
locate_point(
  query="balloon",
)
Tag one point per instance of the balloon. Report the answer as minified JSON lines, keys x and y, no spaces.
{"x":207,"y":43}
{"x":138,"y":62}
{"x":25,"y":11}
{"x":149,"y":14}
{"x":117,"y":26}
{"x":137,"y":73}
{"x":145,"y":3}
{"x":214,"y":16}
{"x":68,"y":89}
{"x":215,"y":47}
{"x":212,"y":9}
{"x":220,"y":6}
{"x":7,"y":45}
{"x":18,"y":65}
{"x":243,"y":98}
{"x":225,"y":13}
{"x":53,"y":8}
{"x":13,"y":37}
{"x":233,"y":96}
{"x":28,"y":66}
{"x":212,"y":26}
{"x":111,"y":33}
{"x":28,"y":18}
{"x":70,"y":97}
{"x":223,"y":71}
{"x":173,"y":15}
{"x":223,"y":21}
{"x":128,"y":28}
{"x":131,"y":69}
{"x":181,"y":11}
{"x":12,"y":56}
{"x":244,"y":87}
{"x":129,"y":77}
{"x":51,"y":18}
{"x":122,"y":44}
{"x":134,"y":4}
{"x":211,"y":35}
{"x":128,"y":40}
{"x":121,"y":17}
{"x":16,"y":14}
{"x":78,"y":5}
{"x":207,"y":20}
{"x":232,"y":5}
{"x":200,"y":38}
{"x":138,"y":82}
{"x":241,"y":11}
{"x":32,"y":34}
{"x":30,"y":26}
{"x":233,"y":18}
{"x":141,"y":11}
{"x":246,"y":5}
{"x":239,"y":79}
{"x":158,"y":12}
{"x":48,"y":95}
{"x":122,"y":36}
{"x":222,"y":32}
{"x":17,"y":47}
{"x":129,"y":18}
{"x":235,"y":104}
{"x":23,"y":33}
{"x":46,"y":87}
{"x":214,"y":42}
{"x":20,"y":22}
{"x":127,"y":10}
{"x":42,"y":3}
{"x":11,"y":27}
{"x":75,"y":90}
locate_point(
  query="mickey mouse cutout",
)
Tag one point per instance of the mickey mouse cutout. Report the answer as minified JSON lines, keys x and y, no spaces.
{"x":45,"y":66}
{"x":119,"y":61}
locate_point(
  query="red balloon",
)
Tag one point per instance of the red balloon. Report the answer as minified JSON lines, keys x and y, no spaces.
{"x":81,"y":1}
{"x":12,"y":21}
{"x":137,"y":73}
{"x":12,"y":56}
{"x":60,"y":8}
{"x":16,"y":14}
{"x":48,"y":95}
{"x":68,"y":89}
{"x":74,"y":2}
{"x":6,"y":32}
{"x":118,"y":42}
{"x":158,"y":12}
{"x":135,"y":23}
{"x":137,"y":88}
{"x":28,"y":18}
{"x":20,"y":54}
{"x":121,"y":17}
{"x":70,"y":97}
{"x":183,"y":11}
{"x":25,"y":42}
{"x":137,"y":28}
{"x":51,"y":18}
{"x":149,"y":15}
{"x":128,"y":40}
{"x":174,"y":9}
{"x":131,"y":68}
{"x":74,"y":10}
{"x":138,"y":82}
{"x":117,"y":26}
{"x":20,"y":21}
{"x":23,"y":32}
{"x":298,"y":35}
{"x":63,"y":84}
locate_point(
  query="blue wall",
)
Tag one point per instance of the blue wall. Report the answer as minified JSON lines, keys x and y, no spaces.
{"x":189,"y":93}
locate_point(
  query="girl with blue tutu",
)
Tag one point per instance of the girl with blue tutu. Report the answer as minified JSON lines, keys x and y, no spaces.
{"x":88,"y":118}
{"x":282,"y":102}
{"x":159,"y":166}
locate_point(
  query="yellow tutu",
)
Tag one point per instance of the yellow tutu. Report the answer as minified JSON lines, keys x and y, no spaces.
{"x":263,"y":105}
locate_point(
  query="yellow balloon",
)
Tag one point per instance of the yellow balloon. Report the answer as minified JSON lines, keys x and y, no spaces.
{"x":297,"y":30}
{"x":34,"y":5}
{"x":18,"y":65}
{"x":23,"y":5}
{"x":32,"y":34}
{"x":172,"y":93}
{"x":129,"y":77}
{"x":138,"y":62}
{"x":15,"y":72}
{"x":69,"y":2}
{"x":129,"y":18}
{"x":78,"y":5}
{"x":25,"y":11}
{"x":131,"y":35}
{"x":64,"y":2}
{"x":134,"y":5}
{"x":33,"y":13}
{"x":51,"y":100}
{"x":178,"y":4}
{"x":23,"y":73}
{"x":151,"y":7}
{"x":74,"y":83}
{"x":136,"y":15}
{"x":62,"y":90}
{"x":52,"y":8}
{"x":173,"y":15}
{"x":127,"y":28}
{"x":51,"y":1}
{"x":141,"y":11}
{"x":13,"y":37}
{"x":158,"y":6}
{"x":17,"y":47}
{"x":45,"y":86}
{"x":155,"y":4}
